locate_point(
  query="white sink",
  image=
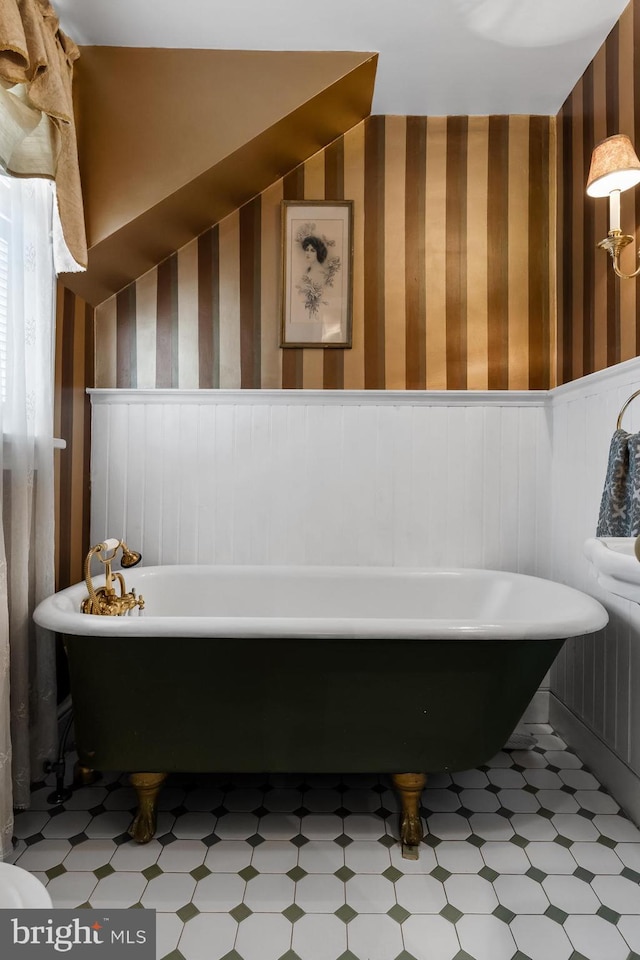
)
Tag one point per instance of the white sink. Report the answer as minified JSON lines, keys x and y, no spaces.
{"x":615,"y":565}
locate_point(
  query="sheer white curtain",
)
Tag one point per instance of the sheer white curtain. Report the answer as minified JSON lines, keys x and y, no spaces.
{"x":28,"y":729}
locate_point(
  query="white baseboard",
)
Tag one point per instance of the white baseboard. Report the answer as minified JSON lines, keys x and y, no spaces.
{"x":612,"y":772}
{"x":538,"y":709}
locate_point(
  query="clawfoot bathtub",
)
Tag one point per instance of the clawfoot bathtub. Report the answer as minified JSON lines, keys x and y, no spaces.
{"x":319,"y":669}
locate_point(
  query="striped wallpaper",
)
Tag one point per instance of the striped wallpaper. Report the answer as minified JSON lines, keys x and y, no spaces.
{"x":597,"y":313}
{"x":454,"y":271}
{"x":73,"y":374}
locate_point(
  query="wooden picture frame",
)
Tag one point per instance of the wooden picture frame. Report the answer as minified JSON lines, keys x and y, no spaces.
{"x":317,"y":273}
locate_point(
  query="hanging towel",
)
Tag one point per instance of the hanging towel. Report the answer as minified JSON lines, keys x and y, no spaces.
{"x":620,"y":504}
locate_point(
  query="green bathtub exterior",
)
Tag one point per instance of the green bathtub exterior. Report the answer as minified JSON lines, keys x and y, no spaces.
{"x":312,"y":705}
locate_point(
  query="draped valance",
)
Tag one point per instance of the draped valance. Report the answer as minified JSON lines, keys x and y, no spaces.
{"x":37,"y":129}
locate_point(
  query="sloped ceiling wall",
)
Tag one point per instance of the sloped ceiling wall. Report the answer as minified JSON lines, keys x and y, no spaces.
{"x":171,"y":141}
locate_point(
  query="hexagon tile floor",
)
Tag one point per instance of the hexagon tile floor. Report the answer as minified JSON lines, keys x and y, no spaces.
{"x":526,"y":858}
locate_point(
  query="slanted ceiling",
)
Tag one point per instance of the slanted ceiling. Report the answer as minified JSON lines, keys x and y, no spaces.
{"x":171,"y":141}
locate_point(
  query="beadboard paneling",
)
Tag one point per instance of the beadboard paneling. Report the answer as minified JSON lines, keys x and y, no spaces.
{"x":595,"y":677}
{"x":327,"y":478}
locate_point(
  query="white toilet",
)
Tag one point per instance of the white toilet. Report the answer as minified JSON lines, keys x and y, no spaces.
{"x":19,"y":888}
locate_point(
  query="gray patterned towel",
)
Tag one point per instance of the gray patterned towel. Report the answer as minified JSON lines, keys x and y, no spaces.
{"x":620,"y":504}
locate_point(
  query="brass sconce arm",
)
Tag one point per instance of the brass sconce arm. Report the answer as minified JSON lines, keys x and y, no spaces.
{"x":614,"y":243}
{"x":105,"y":601}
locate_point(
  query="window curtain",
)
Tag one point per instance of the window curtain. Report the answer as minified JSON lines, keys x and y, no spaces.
{"x":42,"y":233}
{"x":28,"y":730}
{"x":37,"y":129}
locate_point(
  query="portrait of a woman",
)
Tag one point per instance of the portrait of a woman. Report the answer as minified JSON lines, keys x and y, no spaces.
{"x":317,"y":265}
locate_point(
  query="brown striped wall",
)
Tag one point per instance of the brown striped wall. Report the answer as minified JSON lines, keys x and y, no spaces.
{"x":454,"y":271}
{"x":597,"y":313}
{"x":74,"y":373}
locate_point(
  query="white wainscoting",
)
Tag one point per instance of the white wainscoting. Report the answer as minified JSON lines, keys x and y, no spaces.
{"x":326,"y":477}
{"x":595,"y":681}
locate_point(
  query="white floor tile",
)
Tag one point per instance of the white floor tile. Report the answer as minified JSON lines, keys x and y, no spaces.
{"x":320,"y":856}
{"x":481,"y":801}
{"x":275,"y":856}
{"x":367,"y":856}
{"x":85,"y":798}
{"x":66,"y":824}
{"x":364,"y":826}
{"x":182,"y":856}
{"x":110,"y":824}
{"x":543,"y":779}
{"x":470,"y":779}
{"x":208,"y":936}
{"x":596,"y":938}
{"x":194,"y":825}
{"x":629,"y":927}
{"x":168,"y":931}
{"x":506,"y":779}
{"x":269,"y":893}
{"x":236,"y":826}
{"x":540,"y":938}
{"x":263,"y":936}
{"x":135,"y":856}
{"x":30,"y":822}
{"x":370,"y":894}
{"x":229,"y":856}
{"x":571,"y":894}
{"x":428,"y":937}
{"x":616,"y":827}
{"x":597,"y":801}
{"x":91,"y":854}
{"x":470,"y":894}
{"x":118,"y":890}
{"x":219,"y":892}
{"x":505,"y":857}
{"x":618,"y":893}
{"x":374,"y":937}
{"x":171,"y":891}
{"x":456,"y":856}
{"x":491,"y":826}
{"x":519,"y":801}
{"x":440,"y":800}
{"x":321,"y":893}
{"x":550,"y":857}
{"x":279,"y":826}
{"x":579,"y":779}
{"x":322,"y":826}
{"x":597,"y":858}
{"x":520,"y":894}
{"x":420,"y":894}
{"x":558,"y":801}
{"x":425,"y":863}
{"x":318,"y":937}
{"x":563,"y":759}
{"x":43,"y":855}
{"x":449,"y":826}
{"x":71,"y":889}
{"x":531,"y":826}
{"x":574,"y":827}
{"x":243,"y":801}
{"x":486,"y":938}
{"x":629,"y":853}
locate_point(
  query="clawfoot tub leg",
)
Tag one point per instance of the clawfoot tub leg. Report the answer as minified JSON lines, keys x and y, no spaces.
{"x":84,"y":776}
{"x":410,"y":787}
{"x":147,"y":787}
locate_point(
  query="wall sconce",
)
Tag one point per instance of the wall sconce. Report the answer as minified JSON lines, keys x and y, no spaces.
{"x":614,"y":167}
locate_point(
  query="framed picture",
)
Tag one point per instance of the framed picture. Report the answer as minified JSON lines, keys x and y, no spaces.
{"x":317,"y":264}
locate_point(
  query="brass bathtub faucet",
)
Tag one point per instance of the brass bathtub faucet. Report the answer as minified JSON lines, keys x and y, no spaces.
{"x":105,"y":600}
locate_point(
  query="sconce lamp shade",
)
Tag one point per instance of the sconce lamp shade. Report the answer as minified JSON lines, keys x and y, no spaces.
{"x":614,"y":166}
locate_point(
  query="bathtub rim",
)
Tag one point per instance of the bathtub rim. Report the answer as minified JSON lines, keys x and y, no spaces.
{"x":60,"y":612}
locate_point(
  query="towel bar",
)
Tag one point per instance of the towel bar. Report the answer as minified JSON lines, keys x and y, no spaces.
{"x":624,"y":407}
